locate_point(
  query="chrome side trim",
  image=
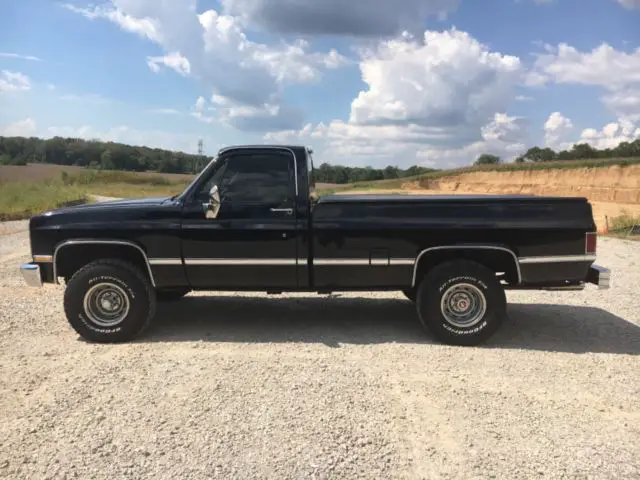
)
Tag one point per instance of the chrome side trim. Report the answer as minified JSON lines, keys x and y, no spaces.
{"x":267,"y":147}
{"x":364,"y":261}
{"x":380,"y":262}
{"x":43,"y":258}
{"x":165,"y":261}
{"x":31,"y":274}
{"x":240,"y":261}
{"x":341,"y":261}
{"x":99,"y":242}
{"x":466,"y":247}
{"x":401,"y":261}
{"x":557,"y":259}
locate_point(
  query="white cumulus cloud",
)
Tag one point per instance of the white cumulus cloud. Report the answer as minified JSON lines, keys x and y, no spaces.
{"x":557,"y":129}
{"x":447,"y":80}
{"x":431,"y":100}
{"x":173,"y":60}
{"x":559,"y":133}
{"x":13,"y":82}
{"x":215,"y":49}
{"x":617,"y":72}
{"x":611,"y":135}
{"x":21,"y":128}
{"x":145,"y":27}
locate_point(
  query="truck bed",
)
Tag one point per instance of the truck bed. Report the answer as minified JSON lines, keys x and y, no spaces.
{"x":400,"y":227}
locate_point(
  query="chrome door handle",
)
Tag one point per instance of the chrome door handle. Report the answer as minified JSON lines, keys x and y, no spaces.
{"x":288,"y":211}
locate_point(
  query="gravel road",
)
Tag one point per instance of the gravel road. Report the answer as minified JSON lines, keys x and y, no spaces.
{"x":305,"y":386}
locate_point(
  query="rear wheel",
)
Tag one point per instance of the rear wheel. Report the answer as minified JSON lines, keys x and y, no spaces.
{"x":109,"y":301}
{"x":461,"y":302}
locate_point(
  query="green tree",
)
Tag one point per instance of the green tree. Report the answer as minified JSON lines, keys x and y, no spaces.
{"x":106,"y":160}
{"x":583,"y":151}
{"x":390,"y":172}
{"x":487,"y":159}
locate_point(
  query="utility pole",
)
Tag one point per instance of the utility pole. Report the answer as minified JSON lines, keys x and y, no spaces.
{"x":198,"y":160}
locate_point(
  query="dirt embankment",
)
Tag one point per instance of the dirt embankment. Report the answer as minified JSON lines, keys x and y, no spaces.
{"x":612,"y":190}
{"x":612,"y":184}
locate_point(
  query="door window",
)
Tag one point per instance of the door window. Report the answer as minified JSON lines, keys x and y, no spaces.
{"x":263,"y":178}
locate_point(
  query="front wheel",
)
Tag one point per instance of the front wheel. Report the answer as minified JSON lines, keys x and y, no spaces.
{"x":109,"y":301}
{"x":461,"y":302}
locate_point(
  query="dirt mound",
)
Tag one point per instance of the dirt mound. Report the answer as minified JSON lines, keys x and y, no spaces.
{"x":611,"y":184}
{"x":612,"y":191}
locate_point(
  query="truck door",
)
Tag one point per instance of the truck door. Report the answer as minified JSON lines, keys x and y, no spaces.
{"x":251,"y":242}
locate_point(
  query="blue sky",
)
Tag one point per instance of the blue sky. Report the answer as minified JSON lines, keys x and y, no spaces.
{"x":375,"y":82}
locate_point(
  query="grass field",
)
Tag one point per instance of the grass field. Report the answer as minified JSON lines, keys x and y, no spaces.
{"x":21,"y":199}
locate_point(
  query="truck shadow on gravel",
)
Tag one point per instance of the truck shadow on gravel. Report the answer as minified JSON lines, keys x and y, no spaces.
{"x":347,"y":320}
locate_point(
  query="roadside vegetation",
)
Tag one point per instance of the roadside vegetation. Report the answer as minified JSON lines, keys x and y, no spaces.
{"x":20,"y":200}
{"x":625,"y":225}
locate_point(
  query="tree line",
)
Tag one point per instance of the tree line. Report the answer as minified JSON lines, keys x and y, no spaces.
{"x":117,"y":156}
{"x":96,"y":154}
{"x":580,"y":151}
{"x":326,"y":173}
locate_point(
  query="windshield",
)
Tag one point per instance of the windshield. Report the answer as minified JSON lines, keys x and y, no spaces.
{"x":195,"y":180}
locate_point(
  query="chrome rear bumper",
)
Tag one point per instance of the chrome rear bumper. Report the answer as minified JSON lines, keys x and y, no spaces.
{"x":31,"y":274}
{"x":599,"y":276}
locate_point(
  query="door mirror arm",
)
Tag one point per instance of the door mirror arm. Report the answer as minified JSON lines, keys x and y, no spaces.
{"x":212,"y":207}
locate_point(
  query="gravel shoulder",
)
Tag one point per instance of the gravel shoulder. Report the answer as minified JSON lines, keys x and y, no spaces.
{"x":295,"y":386}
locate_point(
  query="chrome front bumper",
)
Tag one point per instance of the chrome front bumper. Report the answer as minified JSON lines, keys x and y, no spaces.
{"x":599,"y":276}
{"x":31,"y":274}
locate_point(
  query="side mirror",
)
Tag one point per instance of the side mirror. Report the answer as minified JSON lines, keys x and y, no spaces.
{"x":212,"y":207}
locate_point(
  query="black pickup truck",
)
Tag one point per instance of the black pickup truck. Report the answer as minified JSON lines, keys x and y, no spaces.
{"x":251,"y":221}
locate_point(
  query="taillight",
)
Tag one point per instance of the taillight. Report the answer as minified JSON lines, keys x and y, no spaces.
{"x":590,"y":243}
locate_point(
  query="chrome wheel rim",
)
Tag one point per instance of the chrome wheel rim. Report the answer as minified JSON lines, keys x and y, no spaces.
{"x":106,"y":304}
{"x":463,"y":305}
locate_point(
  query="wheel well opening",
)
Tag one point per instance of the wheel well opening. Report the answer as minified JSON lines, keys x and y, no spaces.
{"x":500,"y":261}
{"x":72,"y":258}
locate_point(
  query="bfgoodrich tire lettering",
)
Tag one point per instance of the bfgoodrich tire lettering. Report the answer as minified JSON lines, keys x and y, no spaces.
{"x":461,"y":302}
{"x":122,"y":284}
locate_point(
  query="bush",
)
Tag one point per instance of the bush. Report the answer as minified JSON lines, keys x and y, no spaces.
{"x":623,"y":222}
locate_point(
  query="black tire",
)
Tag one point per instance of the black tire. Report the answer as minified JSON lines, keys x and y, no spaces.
{"x":476,"y":285}
{"x":125,"y":285}
{"x":171,"y":295}
{"x":410,"y":294}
